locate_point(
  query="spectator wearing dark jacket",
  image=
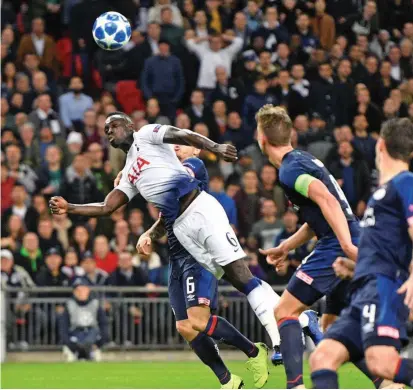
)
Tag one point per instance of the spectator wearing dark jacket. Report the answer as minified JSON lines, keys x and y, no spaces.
{"x":248,"y":204}
{"x":271,"y":30}
{"x":18,"y":207}
{"x":48,"y":236}
{"x":309,"y":41}
{"x":322,"y":92}
{"x":79,"y":185}
{"x":353,"y":176}
{"x":236,"y":133}
{"x":163,"y":78}
{"x":363,"y":141}
{"x":30,"y":256}
{"x":83,"y":325}
{"x":51,"y":274}
{"x":51,"y":175}
{"x":343,"y":94}
{"x":372,"y":112}
{"x":229,"y":90}
{"x":169,"y":31}
{"x":199,"y":112}
{"x":126,"y":274}
{"x":254,"y":101}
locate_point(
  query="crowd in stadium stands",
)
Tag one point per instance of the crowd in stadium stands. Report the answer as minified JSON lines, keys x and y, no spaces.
{"x":340,"y":67}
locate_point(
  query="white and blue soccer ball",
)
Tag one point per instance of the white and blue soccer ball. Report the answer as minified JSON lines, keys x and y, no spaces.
{"x":111,"y":31}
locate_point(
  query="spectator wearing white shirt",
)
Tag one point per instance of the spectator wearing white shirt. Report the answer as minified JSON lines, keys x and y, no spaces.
{"x":213,"y":56}
{"x":154,"y":14}
{"x":73,"y":104}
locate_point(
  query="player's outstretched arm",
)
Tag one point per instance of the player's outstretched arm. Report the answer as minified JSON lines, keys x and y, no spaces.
{"x":331,"y":209}
{"x":173,"y":135}
{"x":112,"y":202}
{"x":280,"y":253}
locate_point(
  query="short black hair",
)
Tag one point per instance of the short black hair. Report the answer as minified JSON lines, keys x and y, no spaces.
{"x":397,"y":134}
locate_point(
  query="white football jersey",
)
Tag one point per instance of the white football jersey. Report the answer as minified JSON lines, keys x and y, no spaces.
{"x":153,"y":170}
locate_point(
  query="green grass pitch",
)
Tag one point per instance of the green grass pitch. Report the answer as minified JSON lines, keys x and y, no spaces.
{"x":130,"y":375}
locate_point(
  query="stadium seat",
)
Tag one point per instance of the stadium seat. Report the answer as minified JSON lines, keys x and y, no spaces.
{"x":129,"y":96}
{"x":64,"y":56}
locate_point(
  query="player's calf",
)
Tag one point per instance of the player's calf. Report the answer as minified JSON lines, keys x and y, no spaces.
{"x":385,"y":361}
{"x":324,"y":363}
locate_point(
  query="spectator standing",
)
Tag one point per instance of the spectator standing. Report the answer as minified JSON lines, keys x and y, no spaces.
{"x":83,"y":325}
{"x":105,"y":259}
{"x":353,"y":176}
{"x":169,"y":31}
{"x":229,"y":90}
{"x":163,"y":78}
{"x":247,"y":201}
{"x":322,"y":92}
{"x":363,"y":141}
{"x":309,"y":41}
{"x":272,"y":31}
{"x":323,"y":25}
{"x":343,"y":94}
{"x":40,"y":43}
{"x":73,"y":104}
{"x":213,"y":56}
{"x":254,"y":15}
{"x":154,"y":15}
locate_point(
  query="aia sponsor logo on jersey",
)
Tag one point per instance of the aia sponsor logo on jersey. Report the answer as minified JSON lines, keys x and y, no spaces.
{"x":136,"y":169}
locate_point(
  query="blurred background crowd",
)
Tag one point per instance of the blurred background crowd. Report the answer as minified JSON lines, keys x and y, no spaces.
{"x":340,"y":67}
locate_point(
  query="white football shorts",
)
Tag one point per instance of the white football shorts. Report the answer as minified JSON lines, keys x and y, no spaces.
{"x":204,"y":231}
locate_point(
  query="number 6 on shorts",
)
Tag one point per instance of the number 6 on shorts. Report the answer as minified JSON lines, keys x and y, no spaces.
{"x":190,"y":285}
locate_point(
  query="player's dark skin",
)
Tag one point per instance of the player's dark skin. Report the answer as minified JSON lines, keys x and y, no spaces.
{"x":119,"y":132}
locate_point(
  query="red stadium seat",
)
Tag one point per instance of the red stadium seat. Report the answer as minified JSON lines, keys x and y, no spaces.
{"x":129,"y":96}
{"x":64,"y":56}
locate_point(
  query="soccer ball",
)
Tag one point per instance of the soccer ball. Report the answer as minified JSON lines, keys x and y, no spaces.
{"x":111,"y":31}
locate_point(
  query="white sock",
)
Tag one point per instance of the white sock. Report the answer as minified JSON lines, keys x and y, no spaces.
{"x":264,"y":309}
{"x":303,"y":320}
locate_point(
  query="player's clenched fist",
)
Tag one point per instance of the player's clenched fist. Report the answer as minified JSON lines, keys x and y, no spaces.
{"x":144,"y":245}
{"x":275,"y":256}
{"x":344,"y":268}
{"x":227,"y":152}
{"x":58,"y":205}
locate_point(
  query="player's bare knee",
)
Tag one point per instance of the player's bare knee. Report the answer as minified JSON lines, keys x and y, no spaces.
{"x":382,"y":361}
{"x":185,"y":329}
{"x":199,"y":317}
{"x":282,"y":311}
{"x":329,"y":355}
